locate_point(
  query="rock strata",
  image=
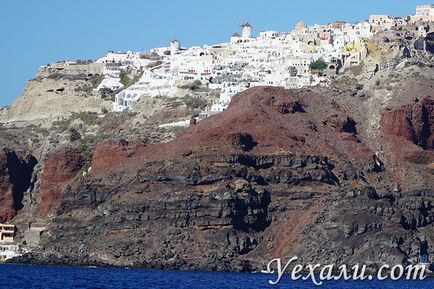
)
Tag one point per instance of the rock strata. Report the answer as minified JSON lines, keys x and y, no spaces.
{"x":258,"y":181}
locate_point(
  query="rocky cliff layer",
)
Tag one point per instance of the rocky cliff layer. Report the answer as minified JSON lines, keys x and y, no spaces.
{"x":278,"y":174}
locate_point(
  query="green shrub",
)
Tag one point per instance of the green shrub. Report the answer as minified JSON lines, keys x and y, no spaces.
{"x":125,"y":80}
{"x":85,"y":148}
{"x":195,"y":85}
{"x":319,"y":64}
{"x":196,"y":103}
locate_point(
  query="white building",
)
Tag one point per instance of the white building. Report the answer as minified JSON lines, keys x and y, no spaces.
{"x":128,"y":57}
{"x":150,"y":84}
{"x":9,"y":251}
{"x":112,"y":70}
{"x":425,"y":10}
{"x":110,"y":83}
{"x":175,"y":46}
{"x":229,"y":89}
{"x":363,"y":29}
{"x":297,"y":82}
{"x":268,"y":34}
{"x":301,"y":64}
{"x":246,"y":30}
{"x":424,"y":13}
{"x":381,"y":22}
{"x":273,"y":58}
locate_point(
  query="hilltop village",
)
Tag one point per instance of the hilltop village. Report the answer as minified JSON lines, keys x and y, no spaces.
{"x":306,"y":56}
{"x":209,"y":76}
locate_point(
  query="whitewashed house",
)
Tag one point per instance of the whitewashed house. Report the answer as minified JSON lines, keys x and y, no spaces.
{"x":150,"y":84}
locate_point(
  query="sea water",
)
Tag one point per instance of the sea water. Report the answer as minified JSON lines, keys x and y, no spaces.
{"x":62,"y":277}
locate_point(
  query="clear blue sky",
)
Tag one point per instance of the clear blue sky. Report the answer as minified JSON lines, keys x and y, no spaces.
{"x":36,"y":32}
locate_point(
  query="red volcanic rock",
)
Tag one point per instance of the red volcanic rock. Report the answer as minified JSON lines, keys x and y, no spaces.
{"x":414,"y":122}
{"x":7,"y":210}
{"x":261,"y":120}
{"x":60,"y":169}
{"x":110,"y":154}
{"x":15,"y":176}
{"x":285,"y":107}
{"x":297,"y":127}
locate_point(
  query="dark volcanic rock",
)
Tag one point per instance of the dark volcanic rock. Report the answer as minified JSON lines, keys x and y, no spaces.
{"x":15,"y":178}
{"x":420,"y":44}
{"x":430,"y":42}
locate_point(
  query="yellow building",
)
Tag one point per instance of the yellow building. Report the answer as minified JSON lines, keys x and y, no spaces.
{"x":354,"y":47}
{"x":354,"y":53}
{"x":300,"y":26}
{"x":7,"y":233}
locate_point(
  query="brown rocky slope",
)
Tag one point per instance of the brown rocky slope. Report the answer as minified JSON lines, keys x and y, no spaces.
{"x":280,"y":173}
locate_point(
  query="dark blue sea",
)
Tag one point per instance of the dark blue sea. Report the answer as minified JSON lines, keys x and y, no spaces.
{"x":58,"y":277}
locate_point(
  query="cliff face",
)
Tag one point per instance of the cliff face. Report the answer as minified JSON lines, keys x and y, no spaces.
{"x":278,"y":174}
{"x":15,"y":178}
{"x":413,"y":122}
{"x":56,"y":92}
{"x":60,"y":169}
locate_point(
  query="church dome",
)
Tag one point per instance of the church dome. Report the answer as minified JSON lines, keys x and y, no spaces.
{"x":300,"y":25}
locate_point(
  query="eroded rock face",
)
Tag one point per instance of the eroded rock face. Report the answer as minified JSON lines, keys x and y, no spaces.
{"x":56,"y":92}
{"x":61,"y":169}
{"x":430,"y":42}
{"x":15,"y":178}
{"x":255,"y":182}
{"x":413,"y":122}
{"x":221,"y":204}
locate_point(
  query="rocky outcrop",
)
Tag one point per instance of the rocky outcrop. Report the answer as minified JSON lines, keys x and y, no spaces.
{"x":15,"y":179}
{"x":56,"y":92}
{"x":430,"y":42}
{"x":413,"y":122}
{"x":61,"y":169}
